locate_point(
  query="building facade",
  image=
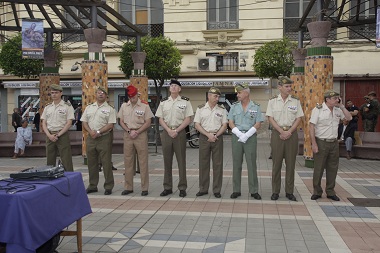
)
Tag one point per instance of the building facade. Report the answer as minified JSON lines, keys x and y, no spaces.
{"x":217,"y":39}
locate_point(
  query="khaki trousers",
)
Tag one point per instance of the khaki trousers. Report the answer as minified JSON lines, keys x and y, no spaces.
{"x":249,"y":150}
{"x":170,"y":147}
{"x":100,"y":147}
{"x":61,"y":147}
{"x":327,"y":158}
{"x":281,"y":149}
{"x":213,"y":150}
{"x":131,"y":147}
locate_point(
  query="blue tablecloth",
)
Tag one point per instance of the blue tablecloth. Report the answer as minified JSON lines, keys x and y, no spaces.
{"x":30,"y":218}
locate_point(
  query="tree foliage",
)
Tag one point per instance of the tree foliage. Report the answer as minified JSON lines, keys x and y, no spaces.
{"x":274,"y":59}
{"x":11,"y":60}
{"x":163,"y":59}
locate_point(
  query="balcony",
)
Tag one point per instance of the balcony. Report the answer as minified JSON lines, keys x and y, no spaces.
{"x":222,"y":25}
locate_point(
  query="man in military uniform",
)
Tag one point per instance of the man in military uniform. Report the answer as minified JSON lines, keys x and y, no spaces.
{"x":57,"y":118}
{"x":98,"y":119}
{"x":372,"y":111}
{"x":174,"y":113}
{"x":211,"y":121}
{"x":324,"y":122}
{"x":135,"y":118}
{"x":244,"y":119}
{"x":284,"y":114}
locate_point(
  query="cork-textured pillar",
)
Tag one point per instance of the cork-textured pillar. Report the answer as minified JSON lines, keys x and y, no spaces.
{"x":318,"y":77}
{"x":48,"y":76}
{"x":298,"y":77}
{"x":94,"y":72}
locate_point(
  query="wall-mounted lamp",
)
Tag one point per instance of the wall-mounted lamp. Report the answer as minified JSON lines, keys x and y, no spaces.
{"x":75,"y":67}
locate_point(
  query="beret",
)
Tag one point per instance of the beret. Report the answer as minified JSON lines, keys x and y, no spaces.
{"x":285,"y":80}
{"x":131,"y":91}
{"x":330,"y":93}
{"x":241,"y":86}
{"x":175,"y":82}
{"x":102,"y":89}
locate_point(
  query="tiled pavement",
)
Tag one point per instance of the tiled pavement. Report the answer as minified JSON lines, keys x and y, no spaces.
{"x":205,"y":224}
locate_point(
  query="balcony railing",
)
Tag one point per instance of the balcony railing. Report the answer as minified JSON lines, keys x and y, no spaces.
{"x":153,"y":30}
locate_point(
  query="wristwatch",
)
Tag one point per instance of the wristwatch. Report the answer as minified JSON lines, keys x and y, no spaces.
{"x":98,"y":132}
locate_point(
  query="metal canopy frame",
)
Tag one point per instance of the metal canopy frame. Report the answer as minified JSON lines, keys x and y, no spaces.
{"x":339,"y":15}
{"x":97,"y":9}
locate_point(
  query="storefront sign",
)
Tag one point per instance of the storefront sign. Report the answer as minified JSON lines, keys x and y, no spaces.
{"x":21,"y":85}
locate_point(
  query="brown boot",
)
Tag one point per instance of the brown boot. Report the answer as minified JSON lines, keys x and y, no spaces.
{"x":348,"y":156}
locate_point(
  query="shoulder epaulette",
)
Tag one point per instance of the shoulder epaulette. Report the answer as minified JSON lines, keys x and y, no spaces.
{"x":235,"y":103}
{"x":185,"y":98}
{"x":144,"y":102}
{"x":164,"y":99}
{"x":48,"y":104}
{"x":295,"y":97}
{"x":256,"y":103}
{"x":67,"y":103}
{"x":201,"y":106}
{"x":112,"y":106}
{"x":318,"y":106}
{"x":275,"y":96}
{"x":221,"y":106}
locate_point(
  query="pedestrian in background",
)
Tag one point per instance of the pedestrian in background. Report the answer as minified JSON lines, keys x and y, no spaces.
{"x":284,"y":113}
{"x":98,"y":119}
{"x":346,"y":134}
{"x":57,"y":119}
{"x":135,"y":118}
{"x":174,"y":113}
{"x":36,"y":121}
{"x":24,"y":137}
{"x":16,"y":119}
{"x":324,"y":122}
{"x":244,"y":119}
{"x":211,"y":121}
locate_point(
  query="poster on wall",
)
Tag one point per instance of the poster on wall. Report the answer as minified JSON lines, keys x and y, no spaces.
{"x":378,"y":27}
{"x":33,"y":39}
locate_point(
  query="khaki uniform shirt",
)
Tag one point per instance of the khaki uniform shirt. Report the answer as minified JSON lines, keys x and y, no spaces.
{"x":56,"y":116}
{"x":211,"y":119}
{"x":99,"y":116}
{"x":326,"y":122}
{"x":284,"y":113}
{"x":135,"y":116}
{"x":174,"y":111}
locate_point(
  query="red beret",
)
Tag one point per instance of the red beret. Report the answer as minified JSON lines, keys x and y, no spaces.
{"x":132,"y":91}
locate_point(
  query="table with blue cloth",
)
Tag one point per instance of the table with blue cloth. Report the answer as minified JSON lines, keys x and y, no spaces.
{"x":32,"y":212}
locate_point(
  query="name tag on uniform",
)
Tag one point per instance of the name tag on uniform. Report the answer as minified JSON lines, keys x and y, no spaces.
{"x":181,"y":106}
{"x":106,"y":112}
{"x":292,"y":107}
{"x":62,"y":111}
{"x":139,"y":113}
{"x":219,"y":115}
{"x":252,"y":113}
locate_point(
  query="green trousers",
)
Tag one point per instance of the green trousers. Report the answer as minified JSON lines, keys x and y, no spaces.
{"x":61,"y":147}
{"x":327,"y":158}
{"x":100,"y":147}
{"x":249,"y":150}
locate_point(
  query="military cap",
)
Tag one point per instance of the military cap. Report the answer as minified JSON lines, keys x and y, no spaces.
{"x":131,"y":91}
{"x":330,"y":93}
{"x":214,"y":90}
{"x":372,"y":93}
{"x":56,"y":87}
{"x":175,"y":82}
{"x":102,"y":89}
{"x":366,"y":97}
{"x":284,"y":80}
{"x":241,"y":86}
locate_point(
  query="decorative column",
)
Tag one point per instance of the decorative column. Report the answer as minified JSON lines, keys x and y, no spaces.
{"x":94,"y":72}
{"x":48,"y":76}
{"x":138,"y":77}
{"x":318,"y":77}
{"x":298,"y":76}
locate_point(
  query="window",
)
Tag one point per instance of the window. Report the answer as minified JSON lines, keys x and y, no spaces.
{"x":366,"y":10}
{"x":294,"y":10}
{"x":222,"y":14}
{"x":148,"y":15}
{"x":226,"y":62}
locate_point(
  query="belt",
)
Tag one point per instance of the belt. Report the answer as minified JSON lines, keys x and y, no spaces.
{"x":54,"y":132}
{"x":173,"y":127}
{"x":327,"y":140}
{"x":285,"y":128}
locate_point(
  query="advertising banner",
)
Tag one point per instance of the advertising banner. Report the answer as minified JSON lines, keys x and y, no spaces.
{"x":33,"y":39}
